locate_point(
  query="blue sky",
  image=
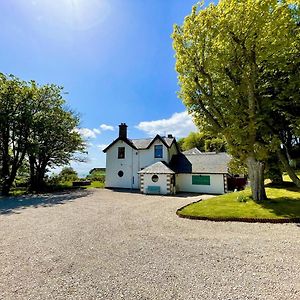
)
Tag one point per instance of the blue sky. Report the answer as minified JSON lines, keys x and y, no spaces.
{"x":113,"y":57}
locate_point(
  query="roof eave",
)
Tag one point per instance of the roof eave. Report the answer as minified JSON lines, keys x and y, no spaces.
{"x":119,"y":139}
{"x":160,"y":138}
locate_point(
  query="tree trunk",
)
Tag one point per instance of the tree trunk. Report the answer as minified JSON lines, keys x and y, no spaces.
{"x":5,"y":172}
{"x":40,"y":183}
{"x":32,"y":174}
{"x":288,"y":168}
{"x":6,"y":188}
{"x":256,"y":176}
{"x":37,"y":175}
{"x":7,"y":182}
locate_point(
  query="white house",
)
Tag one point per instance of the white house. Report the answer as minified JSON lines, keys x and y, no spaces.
{"x":157,"y":166}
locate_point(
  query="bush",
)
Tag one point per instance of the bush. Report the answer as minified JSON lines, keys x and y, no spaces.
{"x":242,"y":198}
{"x":96,"y":177}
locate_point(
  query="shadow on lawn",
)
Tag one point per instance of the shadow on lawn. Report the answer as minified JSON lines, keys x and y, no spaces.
{"x":283,"y":206}
{"x":11,"y":205}
{"x":289,"y":186}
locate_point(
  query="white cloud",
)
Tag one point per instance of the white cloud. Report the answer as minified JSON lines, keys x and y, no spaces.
{"x":92,"y":133}
{"x":88,"y":133}
{"x":179,"y":124}
{"x":106,"y":127}
{"x":97,"y":131}
{"x":102,"y":146}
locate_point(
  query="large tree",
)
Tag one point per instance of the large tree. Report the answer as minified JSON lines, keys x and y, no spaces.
{"x":17,"y":107}
{"x":34,"y":126}
{"x":53,"y":138}
{"x":222,"y":52}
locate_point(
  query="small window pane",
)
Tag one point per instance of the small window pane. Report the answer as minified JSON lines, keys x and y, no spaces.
{"x":158,"y":151}
{"x":121,"y":152}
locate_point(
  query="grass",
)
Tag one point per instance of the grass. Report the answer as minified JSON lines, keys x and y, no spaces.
{"x":60,"y":187}
{"x":68,"y":185}
{"x":96,"y":184}
{"x":283,"y":203}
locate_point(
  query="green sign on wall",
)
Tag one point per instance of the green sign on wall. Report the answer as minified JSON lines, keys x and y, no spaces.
{"x":201,"y":179}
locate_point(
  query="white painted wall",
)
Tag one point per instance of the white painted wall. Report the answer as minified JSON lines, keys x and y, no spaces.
{"x":162,"y":182}
{"x":147,"y":156}
{"x":134,"y":161}
{"x":184,"y":184}
{"x":129,"y":166}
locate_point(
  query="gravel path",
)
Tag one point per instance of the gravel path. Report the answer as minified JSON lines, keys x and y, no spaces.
{"x":103,"y":244}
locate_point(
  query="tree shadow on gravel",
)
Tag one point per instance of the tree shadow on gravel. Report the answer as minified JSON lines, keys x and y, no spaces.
{"x":14,"y":205}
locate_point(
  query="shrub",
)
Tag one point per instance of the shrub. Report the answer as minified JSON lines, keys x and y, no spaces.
{"x":242,"y":198}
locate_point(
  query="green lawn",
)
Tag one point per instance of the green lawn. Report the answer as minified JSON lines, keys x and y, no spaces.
{"x":94,"y":184}
{"x":283,"y":202}
{"x":60,"y":187}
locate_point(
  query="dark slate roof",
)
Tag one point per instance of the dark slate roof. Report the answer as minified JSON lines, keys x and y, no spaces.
{"x":127,"y":141}
{"x":213,"y":163}
{"x":141,"y":143}
{"x":192,"y":151}
{"x":159,"y":167}
{"x":144,"y":143}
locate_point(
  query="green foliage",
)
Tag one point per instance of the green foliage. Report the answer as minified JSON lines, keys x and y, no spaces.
{"x":17,"y":107}
{"x":54,"y":139}
{"x":96,"y":176}
{"x":236,"y":166}
{"x":203,"y":141}
{"x":232,"y":58}
{"x":67,"y":174}
{"x":193,"y":140}
{"x":242,"y":197}
{"x":274,"y":170}
{"x":23,"y":174}
{"x":215,"y":145}
{"x":35,"y":126}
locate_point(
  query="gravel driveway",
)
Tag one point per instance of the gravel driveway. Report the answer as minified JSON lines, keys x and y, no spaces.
{"x":103,"y":244}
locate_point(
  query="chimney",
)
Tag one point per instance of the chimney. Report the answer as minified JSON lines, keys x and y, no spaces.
{"x":170,"y":136}
{"x":123,"y":131}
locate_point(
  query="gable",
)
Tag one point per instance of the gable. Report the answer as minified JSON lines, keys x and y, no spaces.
{"x":127,"y":141}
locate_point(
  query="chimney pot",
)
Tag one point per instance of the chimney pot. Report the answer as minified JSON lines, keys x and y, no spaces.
{"x":170,"y":136}
{"x":123,"y":131}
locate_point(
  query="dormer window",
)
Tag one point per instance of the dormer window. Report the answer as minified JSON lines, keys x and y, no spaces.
{"x":158,"y":151}
{"x":121,"y":152}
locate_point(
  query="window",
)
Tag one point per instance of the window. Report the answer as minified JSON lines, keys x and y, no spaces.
{"x":120,"y":173}
{"x":121,"y":152}
{"x":200,"y":180}
{"x":158,"y":151}
{"x":154,"y":178}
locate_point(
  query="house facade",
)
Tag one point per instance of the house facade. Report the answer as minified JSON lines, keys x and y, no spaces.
{"x":157,"y":166}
